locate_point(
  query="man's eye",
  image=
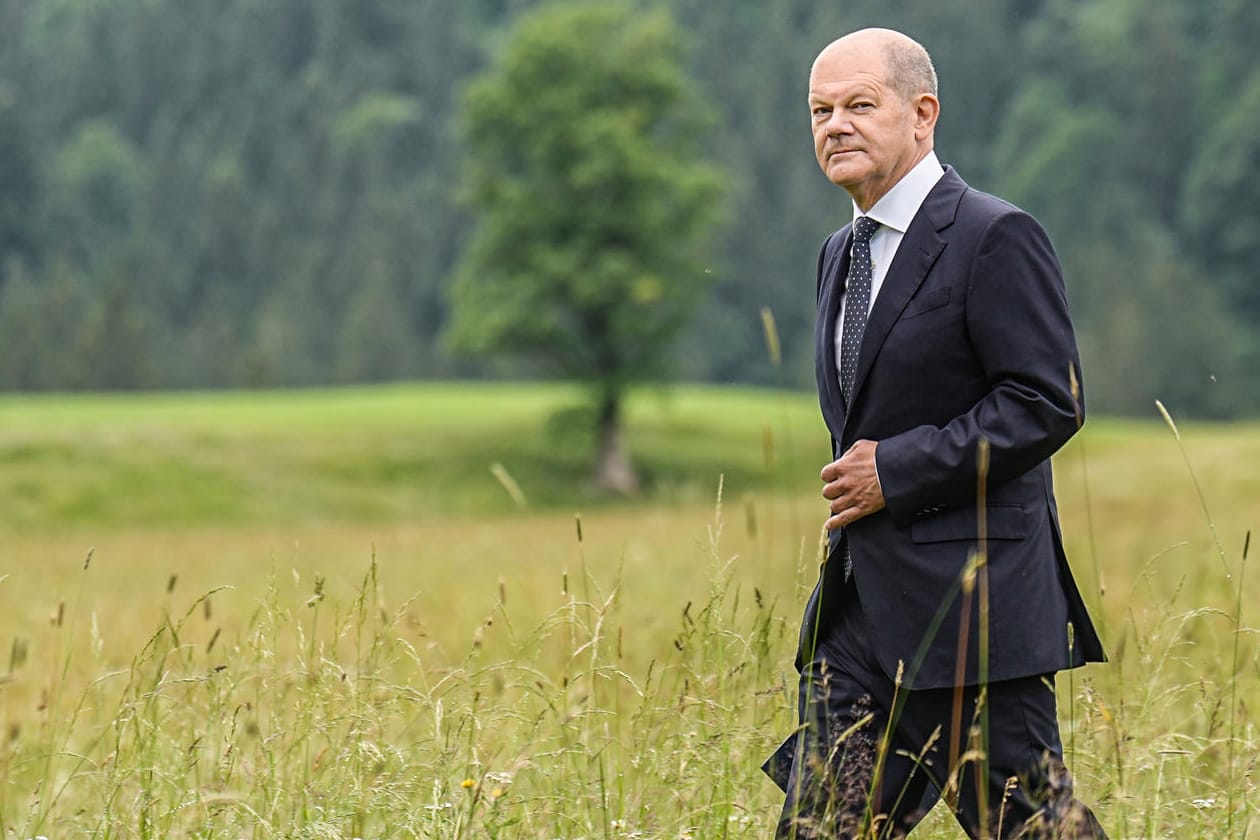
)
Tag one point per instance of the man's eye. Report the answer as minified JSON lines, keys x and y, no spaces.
{"x":820,"y":110}
{"x":863,"y":106}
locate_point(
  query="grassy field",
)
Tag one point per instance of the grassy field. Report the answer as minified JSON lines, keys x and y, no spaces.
{"x":321,"y":615}
{"x":370,"y":454}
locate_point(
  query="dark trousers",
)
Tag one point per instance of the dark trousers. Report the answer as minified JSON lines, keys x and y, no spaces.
{"x":870,"y":759}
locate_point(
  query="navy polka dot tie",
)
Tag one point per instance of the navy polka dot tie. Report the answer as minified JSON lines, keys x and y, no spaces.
{"x":857,"y":303}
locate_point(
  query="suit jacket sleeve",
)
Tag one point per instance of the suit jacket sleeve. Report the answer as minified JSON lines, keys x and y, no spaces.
{"x":1021,"y":333}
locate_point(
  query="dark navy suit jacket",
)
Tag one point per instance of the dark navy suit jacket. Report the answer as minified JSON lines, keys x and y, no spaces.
{"x":969,"y":339}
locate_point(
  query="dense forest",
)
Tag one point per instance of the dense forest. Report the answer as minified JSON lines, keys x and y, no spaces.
{"x":215,"y":193}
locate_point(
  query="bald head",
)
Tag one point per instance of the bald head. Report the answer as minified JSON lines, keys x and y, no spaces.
{"x":908,"y":68}
{"x":873,"y":106}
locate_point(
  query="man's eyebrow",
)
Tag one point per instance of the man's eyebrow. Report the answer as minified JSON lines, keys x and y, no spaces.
{"x":859,"y":89}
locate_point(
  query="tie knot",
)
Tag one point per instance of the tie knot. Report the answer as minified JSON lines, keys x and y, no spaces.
{"x":864,"y":228}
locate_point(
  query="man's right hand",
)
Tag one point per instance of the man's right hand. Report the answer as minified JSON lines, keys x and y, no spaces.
{"x":852,"y":485}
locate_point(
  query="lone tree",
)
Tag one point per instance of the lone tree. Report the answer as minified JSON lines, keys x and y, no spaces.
{"x":593,"y":205}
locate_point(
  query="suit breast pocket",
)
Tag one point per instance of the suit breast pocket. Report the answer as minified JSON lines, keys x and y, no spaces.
{"x":1003,"y":522}
{"x":926,"y":302}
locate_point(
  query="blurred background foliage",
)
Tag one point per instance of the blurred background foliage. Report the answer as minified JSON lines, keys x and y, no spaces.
{"x":223,"y":193}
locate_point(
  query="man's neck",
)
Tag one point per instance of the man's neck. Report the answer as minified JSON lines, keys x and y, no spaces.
{"x":865,"y":202}
{"x":898,"y":207}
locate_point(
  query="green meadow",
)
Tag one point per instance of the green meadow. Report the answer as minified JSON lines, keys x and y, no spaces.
{"x":403,"y":611}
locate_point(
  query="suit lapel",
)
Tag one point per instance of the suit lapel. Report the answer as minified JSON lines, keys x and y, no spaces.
{"x":916,"y":255}
{"x":834,"y":272}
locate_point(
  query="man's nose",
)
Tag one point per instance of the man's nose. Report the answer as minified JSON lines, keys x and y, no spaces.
{"x":838,"y":123}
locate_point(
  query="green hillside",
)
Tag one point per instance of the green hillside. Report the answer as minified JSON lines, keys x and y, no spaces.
{"x":413,"y":451}
{"x":425,"y":451}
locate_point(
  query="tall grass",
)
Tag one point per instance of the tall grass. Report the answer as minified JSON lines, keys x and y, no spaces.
{"x":327,"y":712}
{"x":322,"y":717}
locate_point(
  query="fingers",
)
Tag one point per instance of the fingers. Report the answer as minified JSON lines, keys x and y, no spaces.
{"x":841,"y":520}
{"x":845,"y":512}
{"x":842,"y":494}
{"x":859,"y":453}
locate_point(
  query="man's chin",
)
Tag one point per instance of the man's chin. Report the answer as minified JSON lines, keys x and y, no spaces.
{"x":843,"y":178}
{"x":841,"y":171}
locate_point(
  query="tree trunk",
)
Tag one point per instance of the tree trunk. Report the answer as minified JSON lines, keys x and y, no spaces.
{"x":613,"y":470}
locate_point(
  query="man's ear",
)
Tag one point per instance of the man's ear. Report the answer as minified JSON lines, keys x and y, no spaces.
{"x":927,"y":108}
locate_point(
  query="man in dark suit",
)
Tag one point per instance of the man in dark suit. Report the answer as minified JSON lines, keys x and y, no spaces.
{"x":948,"y":375}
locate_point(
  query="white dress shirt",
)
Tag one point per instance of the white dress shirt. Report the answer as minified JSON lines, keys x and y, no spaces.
{"x":894,"y":212}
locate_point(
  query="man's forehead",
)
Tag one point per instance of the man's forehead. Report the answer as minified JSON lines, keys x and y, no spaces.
{"x":836,"y":84}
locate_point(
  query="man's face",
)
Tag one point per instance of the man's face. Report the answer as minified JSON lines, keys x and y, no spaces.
{"x":864,"y":131}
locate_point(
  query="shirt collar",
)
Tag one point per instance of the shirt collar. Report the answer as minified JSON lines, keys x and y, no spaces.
{"x":899,"y":205}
